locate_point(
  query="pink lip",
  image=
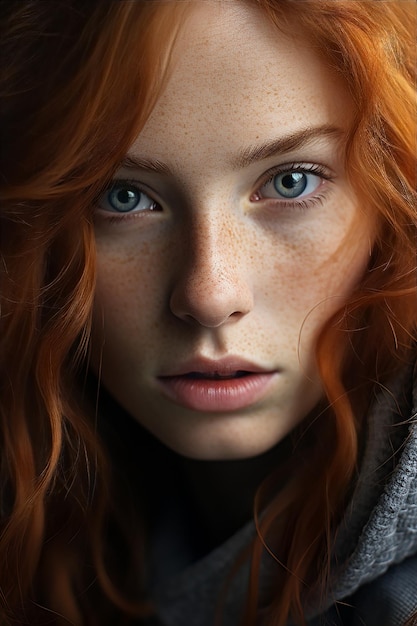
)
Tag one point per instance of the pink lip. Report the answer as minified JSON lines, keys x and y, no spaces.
{"x":193,"y":386}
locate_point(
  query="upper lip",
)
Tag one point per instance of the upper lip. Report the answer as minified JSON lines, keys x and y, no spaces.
{"x":223,"y":367}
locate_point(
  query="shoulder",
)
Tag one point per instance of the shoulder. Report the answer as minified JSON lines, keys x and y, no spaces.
{"x":388,"y":600}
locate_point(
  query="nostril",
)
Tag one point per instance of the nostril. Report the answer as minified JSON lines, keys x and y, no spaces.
{"x":211,"y":299}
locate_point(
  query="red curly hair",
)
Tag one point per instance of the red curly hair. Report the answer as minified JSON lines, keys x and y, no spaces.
{"x":78,"y":85}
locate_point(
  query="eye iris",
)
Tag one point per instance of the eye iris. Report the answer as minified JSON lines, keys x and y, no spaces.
{"x":124,"y":199}
{"x":290,"y":184}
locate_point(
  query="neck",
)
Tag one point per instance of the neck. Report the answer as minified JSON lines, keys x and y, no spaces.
{"x":223,"y":492}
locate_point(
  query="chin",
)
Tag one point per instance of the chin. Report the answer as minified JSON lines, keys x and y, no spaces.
{"x":222,"y":448}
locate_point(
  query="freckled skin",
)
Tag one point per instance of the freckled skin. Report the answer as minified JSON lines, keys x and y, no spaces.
{"x":217,"y":273}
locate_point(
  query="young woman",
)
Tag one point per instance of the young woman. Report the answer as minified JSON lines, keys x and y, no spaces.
{"x":208,"y":313}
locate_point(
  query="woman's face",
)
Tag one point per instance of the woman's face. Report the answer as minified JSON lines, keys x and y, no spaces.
{"x":221,"y":246}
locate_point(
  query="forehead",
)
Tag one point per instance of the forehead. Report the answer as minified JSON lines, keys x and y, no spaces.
{"x":235,"y":76}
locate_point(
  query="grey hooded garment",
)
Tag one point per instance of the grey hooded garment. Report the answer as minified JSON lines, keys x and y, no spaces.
{"x":375,"y":560}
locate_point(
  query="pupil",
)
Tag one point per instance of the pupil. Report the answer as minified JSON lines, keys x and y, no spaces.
{"x":290,"y":181}
{"x":125,"y":195}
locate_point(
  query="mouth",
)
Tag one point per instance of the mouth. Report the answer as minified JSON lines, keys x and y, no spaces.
{"x":214,"y":387}
{"x":216,"y":375}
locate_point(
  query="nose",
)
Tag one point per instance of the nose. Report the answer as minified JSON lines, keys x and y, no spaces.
{"x":213,"y":286}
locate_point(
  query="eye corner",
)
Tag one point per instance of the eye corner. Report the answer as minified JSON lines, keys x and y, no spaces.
{"x":255,"y":196}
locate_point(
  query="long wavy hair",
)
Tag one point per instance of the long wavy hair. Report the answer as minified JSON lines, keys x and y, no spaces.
{"x":77,"y":84}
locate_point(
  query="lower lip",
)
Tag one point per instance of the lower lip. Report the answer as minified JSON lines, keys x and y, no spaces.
{"x":218,"y":395}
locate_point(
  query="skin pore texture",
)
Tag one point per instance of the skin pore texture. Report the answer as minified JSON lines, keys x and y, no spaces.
{"x":212,"y":261}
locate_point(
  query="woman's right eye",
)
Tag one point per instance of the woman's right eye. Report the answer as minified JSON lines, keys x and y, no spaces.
{"x":126,"y":197}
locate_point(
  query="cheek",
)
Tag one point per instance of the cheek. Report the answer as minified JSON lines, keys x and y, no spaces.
{"x":129,"y":293}
{"x":312,"y":280}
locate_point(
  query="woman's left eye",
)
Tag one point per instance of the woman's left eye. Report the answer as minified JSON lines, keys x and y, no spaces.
{"x":125,"y":197}
{"x":290,"y":185}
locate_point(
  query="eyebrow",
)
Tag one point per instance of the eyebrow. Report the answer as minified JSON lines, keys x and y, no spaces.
{"x":251,"y":154}
{"x":284,"y":144}
{"x":150,"y":165}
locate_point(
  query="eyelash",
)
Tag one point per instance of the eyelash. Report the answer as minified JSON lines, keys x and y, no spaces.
{"x":303,"y":204}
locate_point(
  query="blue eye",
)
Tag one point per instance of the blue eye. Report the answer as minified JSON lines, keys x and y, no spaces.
{"x":291,"y":185}
{"x":124,"y":197}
